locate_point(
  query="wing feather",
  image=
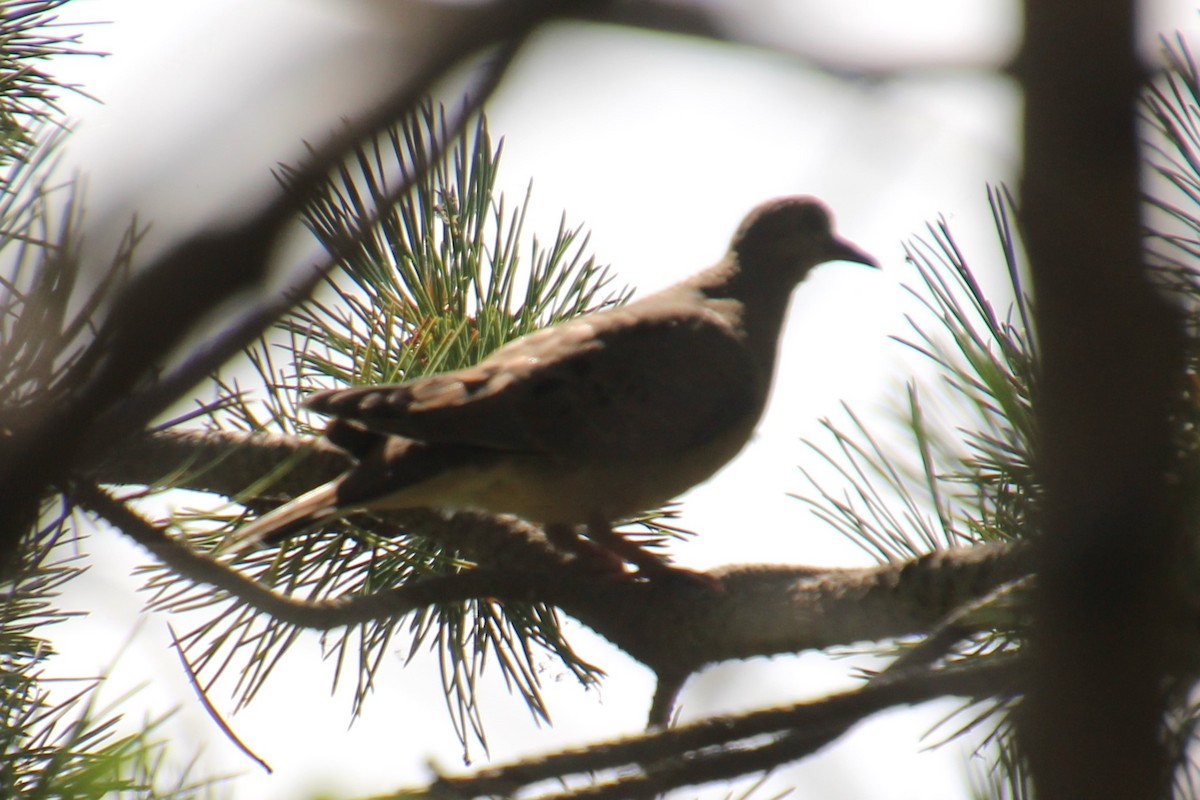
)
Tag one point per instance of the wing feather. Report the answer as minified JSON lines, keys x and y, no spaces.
{"x":622,"y":384}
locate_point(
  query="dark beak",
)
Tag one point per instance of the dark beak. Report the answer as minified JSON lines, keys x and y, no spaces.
{"x":844,"y":251}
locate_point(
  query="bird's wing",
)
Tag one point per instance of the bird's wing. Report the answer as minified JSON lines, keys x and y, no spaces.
{"x":646,"y":380}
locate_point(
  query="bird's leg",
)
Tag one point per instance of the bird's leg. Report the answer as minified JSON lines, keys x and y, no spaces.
{"x":600,"y":531}
{"x":649,"y":565}
{"x":566,"y":537}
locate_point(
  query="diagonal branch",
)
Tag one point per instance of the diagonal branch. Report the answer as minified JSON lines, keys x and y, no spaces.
{"x":300,"y":187}
{"x":322,"y":615}
{"x":727,"y":747}
{"x":199,"y":274}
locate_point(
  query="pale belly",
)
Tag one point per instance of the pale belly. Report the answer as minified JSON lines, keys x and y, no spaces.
{"x":542,"y":492}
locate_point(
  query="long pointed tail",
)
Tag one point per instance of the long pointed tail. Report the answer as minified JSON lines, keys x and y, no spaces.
{"x":307,"y":509}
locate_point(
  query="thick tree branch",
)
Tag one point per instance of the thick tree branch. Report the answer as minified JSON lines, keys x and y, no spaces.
{"x":763,"y":610}
{"x":726,"y":25}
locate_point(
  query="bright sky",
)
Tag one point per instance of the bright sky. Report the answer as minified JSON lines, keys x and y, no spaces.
{"x":659,"y":146}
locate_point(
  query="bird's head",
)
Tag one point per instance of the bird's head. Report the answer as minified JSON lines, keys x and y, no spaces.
{"x":792,"y":234}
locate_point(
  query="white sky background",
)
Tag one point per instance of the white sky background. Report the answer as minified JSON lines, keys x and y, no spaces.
{"x":658,"y":145}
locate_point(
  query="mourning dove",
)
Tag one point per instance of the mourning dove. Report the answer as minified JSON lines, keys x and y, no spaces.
{"x":588,"y":422}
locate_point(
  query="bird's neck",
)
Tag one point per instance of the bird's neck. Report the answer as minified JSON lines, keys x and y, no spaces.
{"x":755,"y":307}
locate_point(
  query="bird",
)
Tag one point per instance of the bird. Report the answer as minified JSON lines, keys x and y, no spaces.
{"x":588,"y":422}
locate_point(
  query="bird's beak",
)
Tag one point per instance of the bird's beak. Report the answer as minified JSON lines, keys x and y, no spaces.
{"x":844,"y":251}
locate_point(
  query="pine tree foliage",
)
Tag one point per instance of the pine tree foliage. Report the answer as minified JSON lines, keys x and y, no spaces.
{"x":972,"y":485}
{"x":434,"y":283}
{"x":28,"y":93}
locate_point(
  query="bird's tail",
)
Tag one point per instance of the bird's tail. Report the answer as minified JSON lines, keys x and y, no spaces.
{"x":292,"y":517}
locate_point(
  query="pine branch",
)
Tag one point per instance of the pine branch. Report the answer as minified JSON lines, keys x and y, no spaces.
{"x":763,"y":610}
{"x":724,"y":748}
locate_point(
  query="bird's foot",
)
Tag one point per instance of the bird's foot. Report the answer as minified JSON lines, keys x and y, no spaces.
{"x":588,"y":554}
{"x":651,"y":566}
{"x":606,"y":552}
